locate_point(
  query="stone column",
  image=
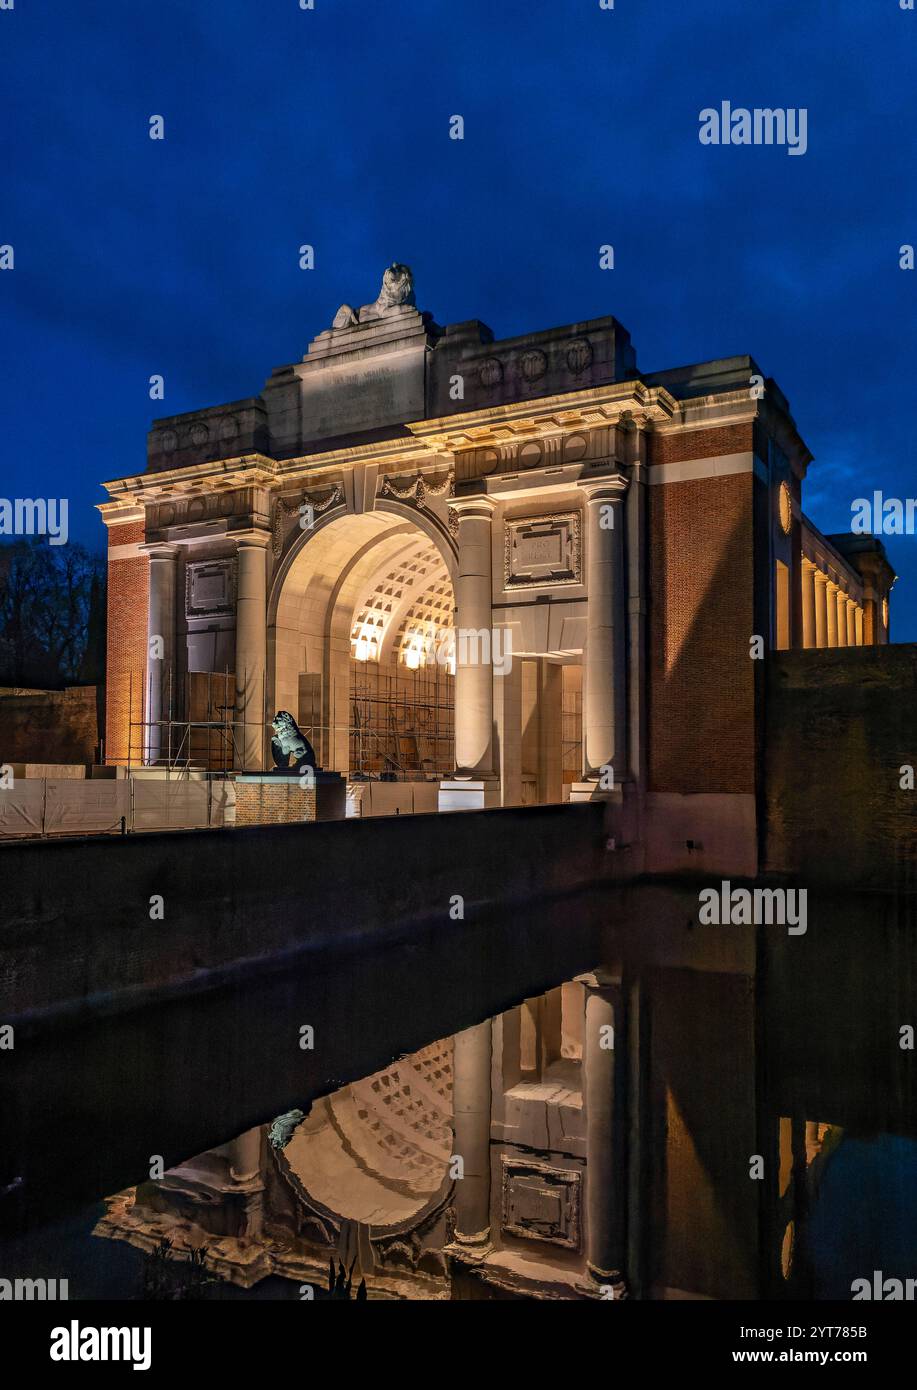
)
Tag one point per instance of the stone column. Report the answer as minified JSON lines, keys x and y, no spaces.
{"x":604,"y":710}
{"x":471,"y":1107}
{"x":832,"y":613}
{"x":841,"y":618}
{"x":245,"y":1171}
{"x":635,"y":442}
{"x":821,"y":609}
{"x":251,"y":650}
{"x":160,"y":663}
{"x":550,"y":732}
{"x":474,"y":693}
{"x":851,"y":623}
{"x":605,"y":1175}
{"x":245,"y":1156}
{"x":859,"y":626}
{"x":508,"y":723}
{"x":808,"y":604}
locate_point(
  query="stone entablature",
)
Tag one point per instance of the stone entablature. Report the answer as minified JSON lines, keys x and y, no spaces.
{"x":576,"y":434}
{"x":821,"y":554}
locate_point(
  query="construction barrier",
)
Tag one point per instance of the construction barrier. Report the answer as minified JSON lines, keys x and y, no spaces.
{"x":113,"y":806}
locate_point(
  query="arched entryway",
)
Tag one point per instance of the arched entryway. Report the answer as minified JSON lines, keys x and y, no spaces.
{"x":355,"y":616}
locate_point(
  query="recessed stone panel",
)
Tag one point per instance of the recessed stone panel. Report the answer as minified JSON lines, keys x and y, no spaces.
{"x":542,"y":550}
{"x":210,"y":588}
{"x":541,"y":1202}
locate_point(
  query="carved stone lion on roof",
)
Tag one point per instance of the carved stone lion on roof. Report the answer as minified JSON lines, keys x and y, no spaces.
{"x":397,"y":288}
{"x":397,"y":292}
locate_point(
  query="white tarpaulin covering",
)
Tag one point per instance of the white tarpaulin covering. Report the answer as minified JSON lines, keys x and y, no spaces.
{"x":391,"y":798}
{"x":96,"y":806}
{"x":22,"y":808}
{"x":86,"y":808}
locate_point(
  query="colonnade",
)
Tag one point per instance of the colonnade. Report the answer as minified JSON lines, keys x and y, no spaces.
{"x":831,"y":616}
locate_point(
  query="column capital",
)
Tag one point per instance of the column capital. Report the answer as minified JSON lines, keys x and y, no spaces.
{"x":160,"y":550}
{"x":479,"y":505}
{"x":820,"y":576}
{"x":609,"y":489}
{"x":635,"y":420}
{"x":251,"y":537}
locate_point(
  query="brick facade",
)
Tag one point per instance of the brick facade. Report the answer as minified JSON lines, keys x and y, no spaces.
{"x":700,"y":444}
{"x":701,"y":677}
{"x":128,"y":587}
{"x":273,"y":803}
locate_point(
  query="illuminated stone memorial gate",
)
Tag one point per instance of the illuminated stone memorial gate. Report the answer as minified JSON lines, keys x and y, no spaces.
{"x":485,"y":571}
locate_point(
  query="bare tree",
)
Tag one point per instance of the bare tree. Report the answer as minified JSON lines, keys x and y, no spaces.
{"x":51,"y":601}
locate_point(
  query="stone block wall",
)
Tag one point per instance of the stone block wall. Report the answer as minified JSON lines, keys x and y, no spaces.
{"x":841,"y":723}
{"x":49,"y":726}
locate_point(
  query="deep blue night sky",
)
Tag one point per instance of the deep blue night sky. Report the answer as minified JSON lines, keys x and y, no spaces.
{"x":179,"y":257}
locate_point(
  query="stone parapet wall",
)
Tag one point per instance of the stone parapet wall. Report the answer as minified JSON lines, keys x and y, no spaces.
{"x":49,"y":726}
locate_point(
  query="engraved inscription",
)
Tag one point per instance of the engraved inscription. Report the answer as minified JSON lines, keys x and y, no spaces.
{"x":542,"y":550}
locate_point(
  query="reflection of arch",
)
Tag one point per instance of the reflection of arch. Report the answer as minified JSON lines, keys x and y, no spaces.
{"x":374,"y":563}
{"x":377,"y":1152}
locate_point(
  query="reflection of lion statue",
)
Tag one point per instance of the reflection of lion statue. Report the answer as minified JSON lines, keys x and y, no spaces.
{"x":281,"y":1131}
{"x":289,"y":739}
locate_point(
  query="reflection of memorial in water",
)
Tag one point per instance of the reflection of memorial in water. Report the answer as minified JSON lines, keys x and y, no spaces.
{"x":363,"y":1178}
{"x":457,"y":1171}
{"x":606,"y":1130}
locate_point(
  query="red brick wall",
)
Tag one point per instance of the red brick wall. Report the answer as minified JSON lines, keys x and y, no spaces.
{"x":128,"y":589}
{"x":701,"y":444}
{"x":701,"y":677}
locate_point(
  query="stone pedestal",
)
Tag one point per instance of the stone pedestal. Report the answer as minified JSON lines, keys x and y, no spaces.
{"x":277,"y":798}
{"x":592,"y":791}
{"x":456,"y":795}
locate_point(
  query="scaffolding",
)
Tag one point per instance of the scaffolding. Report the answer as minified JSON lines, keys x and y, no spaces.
{"x":402,"y":723}
{"x":204,"y":740}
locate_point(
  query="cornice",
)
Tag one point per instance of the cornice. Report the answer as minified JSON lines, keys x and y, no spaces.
{"x":548,"y":415}
{"x":438,"y":440}
{"x":226,"y":474}
{"x":119,"y":513}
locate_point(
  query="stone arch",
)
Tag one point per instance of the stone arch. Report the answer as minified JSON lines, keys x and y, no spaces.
{"x":371,"y":564}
